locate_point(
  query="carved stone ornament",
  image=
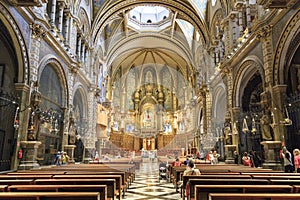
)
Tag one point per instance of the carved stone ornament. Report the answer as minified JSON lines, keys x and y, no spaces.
{"x":28,"y":3}
{"x":37,"y":30}
{"x":264,"y":32}
{"x":273,"y":3}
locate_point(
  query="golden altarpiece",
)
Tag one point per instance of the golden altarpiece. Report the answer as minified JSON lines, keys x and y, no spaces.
{"x":150,"y":108}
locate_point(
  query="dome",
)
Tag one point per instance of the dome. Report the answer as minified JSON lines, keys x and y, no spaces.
{"x":149,"y":14}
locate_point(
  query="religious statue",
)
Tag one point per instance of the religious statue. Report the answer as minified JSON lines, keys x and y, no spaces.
{"x":265,"y":123}
{"x":227,"y":133}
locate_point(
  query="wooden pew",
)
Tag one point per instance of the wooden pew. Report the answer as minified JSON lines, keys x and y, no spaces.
{"x":186,"y":178}
{"x":253,"y":196}
{"x":285,"y":181}
{"x":50,"y":195}
{"x":194,"y":182}
{"x":16,"y":182}
{"x":286,"y":177}
{"x":36,"y":172}
{"x":125,"y":177}
{"x":110,"y":183}
{"x":3,"y":188}
{"x":102,"y":189}
{"x":272,"y":173}
{"x":22,"y":177}
{"x":118,"y":178}
{"x":202,"y":191}
{"x":296,"y":188}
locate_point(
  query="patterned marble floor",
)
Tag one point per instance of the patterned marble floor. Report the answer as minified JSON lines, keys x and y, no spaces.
{"x":147,"y":185}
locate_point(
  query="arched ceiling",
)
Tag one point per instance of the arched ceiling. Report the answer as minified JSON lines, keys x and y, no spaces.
{"x":183,"y":9}
{"x":121,"y":42}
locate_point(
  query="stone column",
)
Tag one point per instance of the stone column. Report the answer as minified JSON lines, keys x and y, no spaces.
{"x":67,"y":15}
{"x":37,"y":32}
{"x":23,"y":92}
{"x":271,"y":148}
{"x":29,"y":160}
{"x":248,"y":16}
{"x":82,"y":50}
{"x":279,"y":93}
{"x":265,"y":37}
{"x":61,"y":6}
{"x":233,"y":23}
{"x":123,"y":100}
{"x":52,"y":14}
{"x":239,"y":6}
{"x":226,"y":35}
{"x":79,"y":37}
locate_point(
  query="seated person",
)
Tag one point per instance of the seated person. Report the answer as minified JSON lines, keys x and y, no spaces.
{"x":246,"y":159}
{"x":177,"y":163}
{"x":191,"y":170}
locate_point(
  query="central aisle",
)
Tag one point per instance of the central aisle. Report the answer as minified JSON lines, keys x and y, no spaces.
{"x":147,"y":185}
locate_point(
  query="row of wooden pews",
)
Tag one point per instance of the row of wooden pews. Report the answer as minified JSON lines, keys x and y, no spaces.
{"x":101,"y":181}
{"x":236,"y":182}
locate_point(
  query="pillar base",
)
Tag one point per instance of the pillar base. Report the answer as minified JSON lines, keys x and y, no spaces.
{"x":229,"y":152}
{"x":271,"y":153}
{"x":29,"y":160}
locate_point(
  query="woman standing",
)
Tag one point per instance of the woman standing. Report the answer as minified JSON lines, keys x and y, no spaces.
{"x":296,"y":153}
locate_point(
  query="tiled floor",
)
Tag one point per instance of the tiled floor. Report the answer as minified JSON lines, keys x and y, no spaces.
{"x":147,"y":185}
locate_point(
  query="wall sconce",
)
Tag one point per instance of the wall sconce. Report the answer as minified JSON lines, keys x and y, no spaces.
{"x":253,"y":129}
{"x":234,"y":129}
{"x":287,"y":121}
{"x":16,"y":121}
{"x":245,"y":126}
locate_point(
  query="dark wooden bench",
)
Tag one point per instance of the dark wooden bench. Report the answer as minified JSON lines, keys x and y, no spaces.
{"x":125,"y":176}
{"x":193,"y":182}
{"x":186,"y":178}
{"x":285,"y":181}
{"x":118,"y":178}
{"x":27,"y":176}
{"x":202,"y":191}
{"x":3,"y":188}
{"x":253,"y":196}
{"x":110,"y":183}
{"x":16,"y":182}
{"x":102,"y":189}
{"x":296,"y":188}
{"x":50,"y":195}
{"x":36,"y":172}
{"x":286,"y":177}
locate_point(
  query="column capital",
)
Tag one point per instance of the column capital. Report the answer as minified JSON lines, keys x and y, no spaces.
{"x":38,"y":30}
{"x":232,"y":15}
{"x":264,"y":32}
{"x":61,"y":4}
{"x":67,"y":13}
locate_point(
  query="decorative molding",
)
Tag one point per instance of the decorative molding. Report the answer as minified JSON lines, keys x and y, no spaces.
{"x":18,"y":34}
{"x":264,"y":32}
{"x":28,"y":3}
{"x":278,"y":4}
{"x":38,"y":31}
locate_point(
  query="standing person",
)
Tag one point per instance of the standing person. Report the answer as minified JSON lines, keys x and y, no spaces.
{"x":255,"y":159}
{"x":58,"y":159}
{"x":236,"y":157}
{"x":287,"y":161}
{"x":296,"y":153}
